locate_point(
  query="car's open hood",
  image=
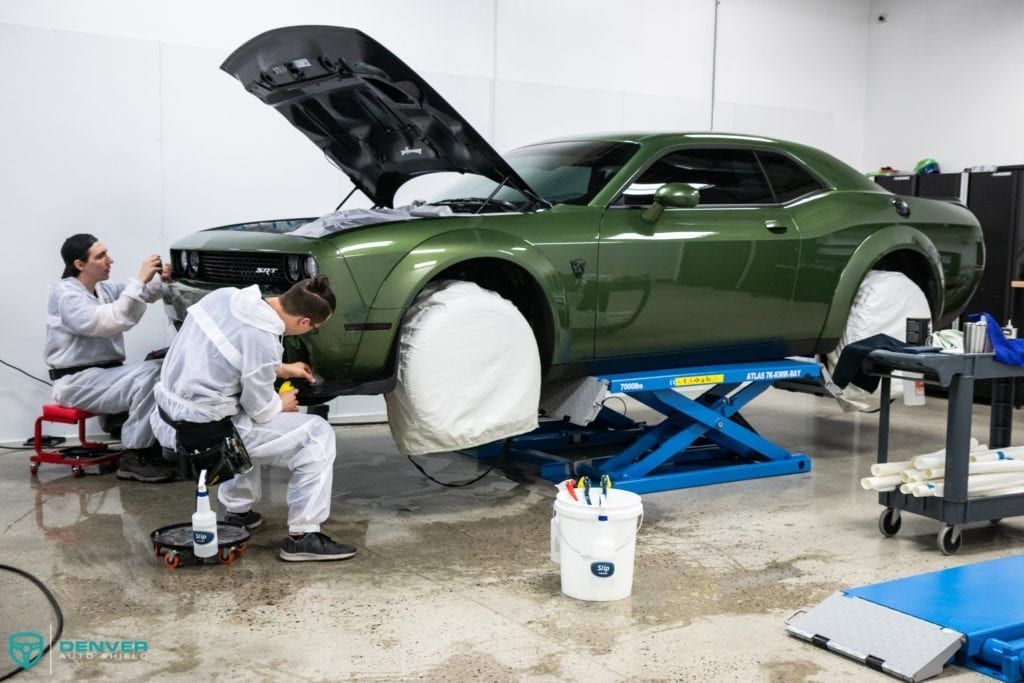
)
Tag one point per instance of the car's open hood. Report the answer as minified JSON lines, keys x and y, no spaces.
{"x":371,"y":114}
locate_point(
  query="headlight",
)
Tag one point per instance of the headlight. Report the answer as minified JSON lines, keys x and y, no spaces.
{"x":193,"y":263}
{"x":183,"y":261}
{"x":311,"y":268}
{"x":294,"y":268}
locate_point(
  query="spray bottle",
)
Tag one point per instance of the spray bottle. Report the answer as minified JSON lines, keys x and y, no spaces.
{"x":204,"y":523}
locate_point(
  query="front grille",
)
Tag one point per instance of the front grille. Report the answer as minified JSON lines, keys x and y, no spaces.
{"x":237,"y":268}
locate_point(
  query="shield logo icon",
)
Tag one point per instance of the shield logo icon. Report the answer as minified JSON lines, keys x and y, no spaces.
{"x":26,"y":648}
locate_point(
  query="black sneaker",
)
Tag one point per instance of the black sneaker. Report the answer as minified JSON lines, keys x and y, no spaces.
{"x":314,"y":547}
{"x":142,"y":464}
{"x":250,"y":520}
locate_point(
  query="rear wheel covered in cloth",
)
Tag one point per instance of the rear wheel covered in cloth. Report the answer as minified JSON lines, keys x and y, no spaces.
{"x":468,"y":371}
{"x":882,"y":305}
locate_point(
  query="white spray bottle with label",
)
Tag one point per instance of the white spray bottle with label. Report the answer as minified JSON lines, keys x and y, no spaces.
{"x":204,"y":523}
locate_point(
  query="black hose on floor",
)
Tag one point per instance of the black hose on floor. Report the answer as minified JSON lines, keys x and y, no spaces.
{"x":53,"y":603}
{"x":505,"y":448}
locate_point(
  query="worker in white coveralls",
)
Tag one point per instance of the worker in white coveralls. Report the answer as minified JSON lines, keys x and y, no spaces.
{"x":221,"y":368}
{"x":86,"y":319}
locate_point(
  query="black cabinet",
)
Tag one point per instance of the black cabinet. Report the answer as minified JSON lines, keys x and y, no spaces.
{"x":939,"y":185}
{"x":898,"y":184}
{"x":995,"y":198}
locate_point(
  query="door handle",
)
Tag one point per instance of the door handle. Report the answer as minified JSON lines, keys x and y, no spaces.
{"x":775,"y":227}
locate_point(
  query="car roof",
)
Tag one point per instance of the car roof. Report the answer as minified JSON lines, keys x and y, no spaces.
{"x":836,"y":173}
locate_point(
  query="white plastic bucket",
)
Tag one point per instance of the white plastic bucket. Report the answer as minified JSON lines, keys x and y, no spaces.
{"x":596,"y":544}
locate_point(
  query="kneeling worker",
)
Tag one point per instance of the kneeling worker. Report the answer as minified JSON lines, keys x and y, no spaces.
{"x":86,"y":319}
{"x":221,"y":369}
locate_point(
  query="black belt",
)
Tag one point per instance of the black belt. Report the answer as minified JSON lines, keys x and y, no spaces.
{"x":199,"y":433}
{"x":57,"y":373}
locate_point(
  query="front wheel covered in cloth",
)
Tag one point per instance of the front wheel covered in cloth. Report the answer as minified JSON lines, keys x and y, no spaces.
{"x":468,"y":371}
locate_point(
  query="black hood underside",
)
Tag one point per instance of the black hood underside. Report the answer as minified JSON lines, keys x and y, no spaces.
{"x":368,"y":112}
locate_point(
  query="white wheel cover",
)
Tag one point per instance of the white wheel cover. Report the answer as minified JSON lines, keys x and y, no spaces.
{"x":468,"y":371}
{"x":882,"y":305}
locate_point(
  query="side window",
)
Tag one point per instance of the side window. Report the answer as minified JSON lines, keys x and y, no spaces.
{"x":788,"y":179}
{"x":723,"y":176}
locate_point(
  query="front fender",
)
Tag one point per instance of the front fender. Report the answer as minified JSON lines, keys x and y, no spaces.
{"x":870,"y":252}
{"x":437,"y":254}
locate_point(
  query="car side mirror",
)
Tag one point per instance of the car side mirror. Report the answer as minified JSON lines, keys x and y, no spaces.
{"x":675,"y":195}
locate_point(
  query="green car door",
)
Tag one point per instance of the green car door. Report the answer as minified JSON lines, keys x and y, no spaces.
{"x":719,"y":273}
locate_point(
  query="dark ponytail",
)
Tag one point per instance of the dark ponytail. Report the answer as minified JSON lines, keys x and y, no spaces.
{"x":75,"y":248}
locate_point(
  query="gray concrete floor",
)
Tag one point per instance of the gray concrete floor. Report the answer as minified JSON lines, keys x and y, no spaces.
{"x":456,"y":584}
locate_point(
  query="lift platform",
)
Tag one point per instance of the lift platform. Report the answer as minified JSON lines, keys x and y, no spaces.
{"x":911,"y":627}
{"x":701,"y":441}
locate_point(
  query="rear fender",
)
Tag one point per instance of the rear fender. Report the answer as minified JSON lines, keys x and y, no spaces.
{"x":866,"y":256}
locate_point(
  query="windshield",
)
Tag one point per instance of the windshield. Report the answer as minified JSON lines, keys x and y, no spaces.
{"x":560,"y":172}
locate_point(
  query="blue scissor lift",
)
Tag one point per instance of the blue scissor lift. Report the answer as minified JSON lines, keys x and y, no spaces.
{"x":702,"y":440}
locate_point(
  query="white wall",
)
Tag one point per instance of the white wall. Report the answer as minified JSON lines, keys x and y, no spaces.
{"x":945,"y":81}
{"x":116,"y":119}
{"x":580,"y":66}
{"x":794,"y":70}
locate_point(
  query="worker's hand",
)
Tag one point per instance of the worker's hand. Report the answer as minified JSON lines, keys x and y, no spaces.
{"x":166,"y":271}
{"x":151,"y":265}
{"x":290,"y":401}
{"x":298,"y":370}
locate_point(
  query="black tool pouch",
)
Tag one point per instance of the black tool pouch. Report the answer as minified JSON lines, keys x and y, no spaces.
{"x":211,"y":446}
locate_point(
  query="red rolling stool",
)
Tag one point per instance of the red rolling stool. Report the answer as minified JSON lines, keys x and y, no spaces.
{"x":77,"y":457}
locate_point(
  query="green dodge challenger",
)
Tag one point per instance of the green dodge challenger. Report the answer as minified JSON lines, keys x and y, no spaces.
{"x":623,"y":252}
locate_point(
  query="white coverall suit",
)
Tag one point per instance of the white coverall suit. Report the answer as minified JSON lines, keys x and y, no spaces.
{"x":82,"y":329}
{"x":222,"y":364}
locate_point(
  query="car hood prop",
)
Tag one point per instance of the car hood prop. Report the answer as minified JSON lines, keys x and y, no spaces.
{"x":369,"y":113}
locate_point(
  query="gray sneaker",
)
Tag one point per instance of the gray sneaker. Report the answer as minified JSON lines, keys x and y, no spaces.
{"x":314,"y":547}
{"x":250,"y":520}
{"x":145,"y":465}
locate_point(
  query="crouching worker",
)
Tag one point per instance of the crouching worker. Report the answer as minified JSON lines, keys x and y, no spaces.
{"x":86,"y":319}
{"x":217,"y":386}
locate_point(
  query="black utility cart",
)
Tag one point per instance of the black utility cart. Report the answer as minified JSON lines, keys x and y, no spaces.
{"x":958,"y":373}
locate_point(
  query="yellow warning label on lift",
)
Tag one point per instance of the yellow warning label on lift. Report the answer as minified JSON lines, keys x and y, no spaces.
{"x":694,"y":380}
